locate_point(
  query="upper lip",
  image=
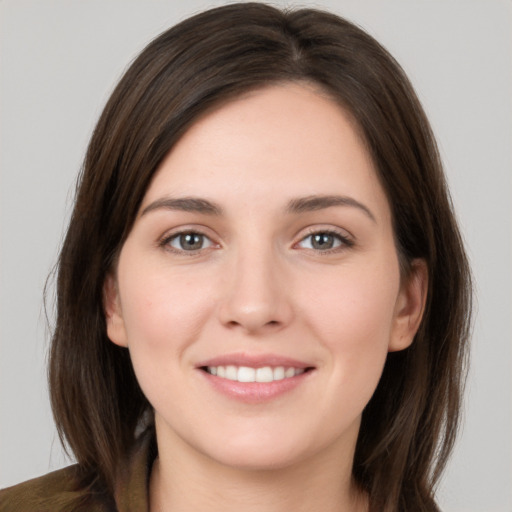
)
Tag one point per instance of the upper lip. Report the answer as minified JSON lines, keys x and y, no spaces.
{"x":254,"y":361}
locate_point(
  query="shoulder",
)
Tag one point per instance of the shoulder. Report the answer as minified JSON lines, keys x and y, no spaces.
{"x":58,"y":491}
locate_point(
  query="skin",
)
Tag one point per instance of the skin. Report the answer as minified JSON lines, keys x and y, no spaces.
{"x":258,"y":285}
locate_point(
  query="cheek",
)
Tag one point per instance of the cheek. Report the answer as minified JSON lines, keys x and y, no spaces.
{"x":354,"y":304}
{"x":353,"y":316}
{"x":163,"y":313}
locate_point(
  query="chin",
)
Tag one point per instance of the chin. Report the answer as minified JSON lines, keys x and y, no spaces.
{"x":258,"y":458}
{"x":262,"y":451}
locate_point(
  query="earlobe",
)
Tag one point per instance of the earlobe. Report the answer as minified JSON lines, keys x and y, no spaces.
{"x":410,"y":306}
{"x":113,"y":313}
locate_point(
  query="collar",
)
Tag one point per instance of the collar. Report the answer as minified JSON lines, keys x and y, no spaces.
{"x":131,"y":491}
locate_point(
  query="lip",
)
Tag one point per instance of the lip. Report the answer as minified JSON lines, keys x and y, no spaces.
{"x":254,"y":392}
{"x":254,"y":361}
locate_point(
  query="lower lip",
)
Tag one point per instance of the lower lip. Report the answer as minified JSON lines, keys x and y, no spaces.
{"x":255,"y":392}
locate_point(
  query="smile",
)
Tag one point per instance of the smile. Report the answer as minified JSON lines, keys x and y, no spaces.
{"x":255,"y":378}
{"x":248,"y":374}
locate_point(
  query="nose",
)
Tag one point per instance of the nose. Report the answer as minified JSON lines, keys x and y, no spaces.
{"x":256,"y":298}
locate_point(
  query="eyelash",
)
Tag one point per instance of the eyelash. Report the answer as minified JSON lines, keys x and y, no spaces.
{"x":167,"y":240}
{"x":342,"y":240}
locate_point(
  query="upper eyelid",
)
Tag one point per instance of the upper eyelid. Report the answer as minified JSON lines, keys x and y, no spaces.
{"x":335,"y":230}
{"x":346,"y":238}
{"x":303,"y":233}
{"x":189,"y":228}
{"x":175,"y":232}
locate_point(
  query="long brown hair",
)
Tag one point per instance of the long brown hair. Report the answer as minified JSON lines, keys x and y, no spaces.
{"x":409,"y":426}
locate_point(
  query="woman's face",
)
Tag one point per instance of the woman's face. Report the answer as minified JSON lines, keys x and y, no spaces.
{"x":259,"y":289}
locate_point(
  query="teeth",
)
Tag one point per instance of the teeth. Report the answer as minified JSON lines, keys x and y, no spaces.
{"x":264,"y":374}
{"x":247,"y":374}
{"x":279,"y":373}
{"x":231,"y":372}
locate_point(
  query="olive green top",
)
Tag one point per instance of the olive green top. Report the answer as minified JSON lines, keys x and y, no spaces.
{"x":60,"y":491}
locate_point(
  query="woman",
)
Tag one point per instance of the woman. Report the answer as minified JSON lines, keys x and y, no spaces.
{"x":263,"y":299}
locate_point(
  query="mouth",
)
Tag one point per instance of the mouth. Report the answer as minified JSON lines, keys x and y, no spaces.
{"x":262,"y":374}
{"x":255,"y":378}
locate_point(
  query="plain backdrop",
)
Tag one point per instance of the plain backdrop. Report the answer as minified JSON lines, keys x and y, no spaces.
{"x":59,"y":61}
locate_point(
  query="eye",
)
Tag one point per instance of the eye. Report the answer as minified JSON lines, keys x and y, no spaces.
{"x":188,"y":241}
{"x":324,"y":241}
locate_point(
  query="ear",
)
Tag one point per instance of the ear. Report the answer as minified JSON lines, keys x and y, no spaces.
{"x":409,"y":306}
{"x":113,"y":313}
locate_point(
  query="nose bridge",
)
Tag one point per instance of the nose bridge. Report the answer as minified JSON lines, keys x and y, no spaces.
{"x":256,"y":295}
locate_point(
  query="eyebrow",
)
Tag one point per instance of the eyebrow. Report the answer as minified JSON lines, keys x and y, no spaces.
{"x":297,"y":205}
{"x":312,"y":203}
{"x":184,"y":204}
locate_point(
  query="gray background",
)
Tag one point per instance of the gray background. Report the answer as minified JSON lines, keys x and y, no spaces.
{"x":59,"y":61}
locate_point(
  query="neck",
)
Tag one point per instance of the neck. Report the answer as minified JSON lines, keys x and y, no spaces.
{"x":184,"y":481}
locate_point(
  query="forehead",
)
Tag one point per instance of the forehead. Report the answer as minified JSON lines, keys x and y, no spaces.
{"x":291,"y":138}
